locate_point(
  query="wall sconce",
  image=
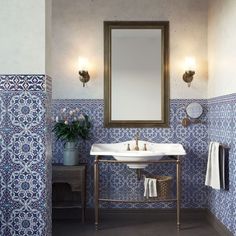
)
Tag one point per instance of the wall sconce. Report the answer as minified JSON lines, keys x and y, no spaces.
{"x":189,"y":66}
{"x":83,"y":70}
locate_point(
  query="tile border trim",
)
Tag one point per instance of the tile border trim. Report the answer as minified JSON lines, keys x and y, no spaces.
{"x":25,"y":82}
{"x":222,"y":99}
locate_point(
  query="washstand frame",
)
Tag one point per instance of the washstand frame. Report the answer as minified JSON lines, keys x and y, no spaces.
{"x":173,"y":159}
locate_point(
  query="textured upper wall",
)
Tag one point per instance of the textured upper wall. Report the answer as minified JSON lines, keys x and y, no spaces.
{"x":222,"y":47}
{"x":22,"y":41}
{"x":48,"y":29}
{"x":77,"y":30}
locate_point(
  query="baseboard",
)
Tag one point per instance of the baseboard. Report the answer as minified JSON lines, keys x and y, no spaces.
{"x":216,"y":224}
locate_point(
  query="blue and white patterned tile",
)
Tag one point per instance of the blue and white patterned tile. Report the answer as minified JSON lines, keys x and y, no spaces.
{"x":26,"y":221}
{"x":26,"y":148}
{"x":24,"y":177}
{"x":25,"y":186}
{"x":222,"y":129}
{"x":24,"y":82}
{"x":195,"y":138}
{"x":3,"y":223}
{"x":2,"y":186}
{"x":3,"y":146}
{"x":26,"y":110}
{"x":233,"y":147}
{"x":2,"y":110}
{"x":195,"y":161}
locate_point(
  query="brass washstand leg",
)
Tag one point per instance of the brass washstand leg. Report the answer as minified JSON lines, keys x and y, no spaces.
{"x":96,"y":190}
{"x":178,"y":189}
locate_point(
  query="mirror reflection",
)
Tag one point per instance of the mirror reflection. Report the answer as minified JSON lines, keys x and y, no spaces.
{"x":136,"y":72}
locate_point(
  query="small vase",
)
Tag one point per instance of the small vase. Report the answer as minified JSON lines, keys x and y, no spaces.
{"x":70,"y":154}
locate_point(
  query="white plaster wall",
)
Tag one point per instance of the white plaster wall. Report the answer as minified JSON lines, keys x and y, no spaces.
{"x":77,"y":30}
{"x":48,"y":31}
{"x":222,"y":47}
{"x":22,"y":40}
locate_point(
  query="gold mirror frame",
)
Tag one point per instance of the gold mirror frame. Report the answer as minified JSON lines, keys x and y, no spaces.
{"x":164,"y":26}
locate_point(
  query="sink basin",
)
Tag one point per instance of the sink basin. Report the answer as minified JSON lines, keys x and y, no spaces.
{"x":155,"y":151}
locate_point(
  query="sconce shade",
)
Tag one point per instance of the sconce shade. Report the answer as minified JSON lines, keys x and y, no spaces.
{"x":83,"y":64}
{"x":189,"y":64}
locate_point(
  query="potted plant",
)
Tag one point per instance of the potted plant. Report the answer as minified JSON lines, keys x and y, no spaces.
{"x":70,"y":126}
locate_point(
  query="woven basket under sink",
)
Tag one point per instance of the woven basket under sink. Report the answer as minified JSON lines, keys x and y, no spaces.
{"x":164,"y":186}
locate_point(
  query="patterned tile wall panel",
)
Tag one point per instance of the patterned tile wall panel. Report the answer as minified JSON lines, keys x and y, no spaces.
{"x":234,"y":165}
{"x":25,"y":155}
{"x":222,"y":128}
{"x":121,"y":179}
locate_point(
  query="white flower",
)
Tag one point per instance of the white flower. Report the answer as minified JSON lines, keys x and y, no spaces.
{"x":81,"y":117}
{"x":71,"y":112}
{"x":75,"y":118}
{"x":64,"y":110}
{"x":57,"y":119}
{"x":66,"y":122}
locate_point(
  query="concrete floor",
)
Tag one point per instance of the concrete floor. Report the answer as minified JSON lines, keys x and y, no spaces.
{"x":135,"y":225}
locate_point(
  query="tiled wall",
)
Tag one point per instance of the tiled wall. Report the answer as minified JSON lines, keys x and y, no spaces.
{"x":119,"y":178}
{"x":25,"y":160}
{"x":25,"y":145}
{"x":25,"y":154}
{"x":222,"y":128}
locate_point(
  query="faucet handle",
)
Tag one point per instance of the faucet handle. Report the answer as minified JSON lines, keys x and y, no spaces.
{"x":145,"y":147}
{"x":128,"y":147}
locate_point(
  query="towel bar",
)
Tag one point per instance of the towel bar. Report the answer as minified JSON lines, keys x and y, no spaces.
{"x":222,"y":145}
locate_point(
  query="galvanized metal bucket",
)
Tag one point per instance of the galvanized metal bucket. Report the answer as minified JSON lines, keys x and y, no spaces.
{"x":70,"y":154}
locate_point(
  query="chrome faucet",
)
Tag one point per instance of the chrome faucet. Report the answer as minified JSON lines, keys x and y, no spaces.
{"x":136,"y":141}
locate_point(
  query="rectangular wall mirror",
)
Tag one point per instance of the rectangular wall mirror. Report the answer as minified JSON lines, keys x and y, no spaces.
{"x":136,"y":73}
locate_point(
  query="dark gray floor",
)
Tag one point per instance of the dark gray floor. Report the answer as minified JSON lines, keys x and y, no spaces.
{"x":135,"y":225}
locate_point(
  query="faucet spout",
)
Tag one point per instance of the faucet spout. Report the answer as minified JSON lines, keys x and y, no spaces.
{"x":136,"y":142}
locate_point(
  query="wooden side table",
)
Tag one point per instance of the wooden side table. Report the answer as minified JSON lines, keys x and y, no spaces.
{"x":75,"y":177}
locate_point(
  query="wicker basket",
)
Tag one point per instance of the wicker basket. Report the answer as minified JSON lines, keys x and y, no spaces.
{"x":164,"y":186}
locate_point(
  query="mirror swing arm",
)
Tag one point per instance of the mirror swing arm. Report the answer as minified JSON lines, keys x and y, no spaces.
{"x":163,"y":105}
{"x":193,"y":111}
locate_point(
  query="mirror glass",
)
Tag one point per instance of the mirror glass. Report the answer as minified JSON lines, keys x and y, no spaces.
{"x":136,"y":74}
{"x":194,"y":110}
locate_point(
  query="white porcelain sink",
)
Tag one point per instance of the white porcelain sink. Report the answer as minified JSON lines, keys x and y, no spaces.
{"x":155,"y":151}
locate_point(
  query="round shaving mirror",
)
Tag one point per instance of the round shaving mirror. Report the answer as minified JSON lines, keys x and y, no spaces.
{"x":194,"y":110}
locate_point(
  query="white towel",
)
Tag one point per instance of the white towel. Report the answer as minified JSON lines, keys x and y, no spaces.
{"x":146,"y":187}
{"x":150,"y":187}
{"x":213,"y":167}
